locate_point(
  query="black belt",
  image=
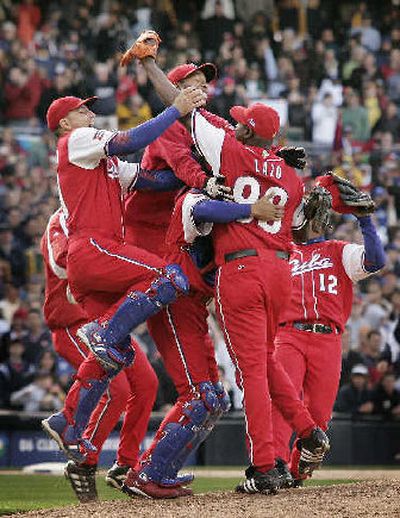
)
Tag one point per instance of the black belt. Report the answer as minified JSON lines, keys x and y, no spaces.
{"x":313,"y":328}
{"x":249,"y":252}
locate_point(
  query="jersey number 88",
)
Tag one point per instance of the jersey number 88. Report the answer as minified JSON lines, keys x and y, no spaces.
{"x":251,"y":185}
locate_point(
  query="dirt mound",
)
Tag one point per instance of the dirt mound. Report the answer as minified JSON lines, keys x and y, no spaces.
{"x":367,"y":498}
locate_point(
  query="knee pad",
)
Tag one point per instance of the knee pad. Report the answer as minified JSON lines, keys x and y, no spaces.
{"x":223,"y":398}
{"x":209,"y":396}
{"x":166,"y":288}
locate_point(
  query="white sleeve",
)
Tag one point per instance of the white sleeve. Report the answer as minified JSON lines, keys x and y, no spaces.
{"x":208,"y":139}
{"x":299,"y":218}
{"x":127,"y":175}
{"x":353,"y":262}
{"x":87,"y":146}
{"x":190,"y":229}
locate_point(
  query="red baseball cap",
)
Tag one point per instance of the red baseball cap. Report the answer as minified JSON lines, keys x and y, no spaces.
{"x":61,"y":107}
{"x":262,"y":119}
{"x":183,"y":71}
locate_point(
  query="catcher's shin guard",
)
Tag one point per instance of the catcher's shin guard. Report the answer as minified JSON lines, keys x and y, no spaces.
{"x":220,"y":407}
{"x":137,"y":307}
{"x":180,"y":439}
{"x":85,"y":395}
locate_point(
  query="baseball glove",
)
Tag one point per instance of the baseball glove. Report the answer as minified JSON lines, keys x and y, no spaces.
{"x":346,"y":197}
{"x":145,"y":46}
{"x":293,"y":156}
{"x":317,"y":209}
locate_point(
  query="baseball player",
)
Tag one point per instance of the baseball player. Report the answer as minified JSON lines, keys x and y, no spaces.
{"x":308,"y":342}
{"x":101,"y":267}
{"x":266,"y":173}
{"x":134,"y":389}
{"x":186,"y":347}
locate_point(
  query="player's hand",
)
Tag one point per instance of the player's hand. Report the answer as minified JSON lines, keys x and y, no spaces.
{"x":214,"y":188}
{"x":189,"y":99}
{"x":293,"y":156}
{"x":146,"y":46}
{"x":265,"y":210}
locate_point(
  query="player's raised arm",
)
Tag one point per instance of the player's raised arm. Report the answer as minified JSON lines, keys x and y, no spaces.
{"x":359,"y":261}
{"x":125,"y":142}
{"x":88,"y":145}
{"x":145,"y":49}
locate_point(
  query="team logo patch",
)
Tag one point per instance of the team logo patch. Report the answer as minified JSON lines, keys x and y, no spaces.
{"x":315,"y":263}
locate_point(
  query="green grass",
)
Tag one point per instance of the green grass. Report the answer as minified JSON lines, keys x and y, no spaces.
{"x":27,"y":492}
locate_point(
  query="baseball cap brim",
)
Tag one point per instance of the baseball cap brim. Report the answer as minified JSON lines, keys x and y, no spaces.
{"x":239,"y":113}
{"x":209,"y":70}
{"x":89,"y":102}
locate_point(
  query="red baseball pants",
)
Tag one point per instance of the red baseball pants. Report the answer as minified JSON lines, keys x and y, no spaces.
{"x":250,"y":293}
{"x":313,"y":363}
{"x":100,"y":271}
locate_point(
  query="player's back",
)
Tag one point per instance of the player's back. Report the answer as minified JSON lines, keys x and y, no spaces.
{"x":321,"y":291}
{"x":58,"y":310}
{"x":252,"y":173}
{"x":147,"y":214}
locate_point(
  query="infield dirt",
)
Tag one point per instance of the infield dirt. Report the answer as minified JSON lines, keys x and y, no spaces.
{"x":377,"y":498}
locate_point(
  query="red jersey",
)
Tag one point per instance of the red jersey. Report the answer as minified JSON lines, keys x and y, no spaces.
{"x":323,"y":274}
{"x":252,"y":172}
{"x":91,"y":185}
{"x":60,"y":310}
{"x":148,"y":213}
{"x":182,"y":233}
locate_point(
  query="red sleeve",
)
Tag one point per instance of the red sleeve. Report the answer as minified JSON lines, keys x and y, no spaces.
{"x":174,"y":146}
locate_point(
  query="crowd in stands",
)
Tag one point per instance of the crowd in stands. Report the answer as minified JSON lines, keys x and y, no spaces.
{"x":331,"y":69}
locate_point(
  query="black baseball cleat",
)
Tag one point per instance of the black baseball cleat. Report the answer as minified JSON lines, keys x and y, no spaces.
{"x":283,"y":469}
{"x":257,"y":482}
{"x":116,"y":475}
{"x":312,"y":451}
{"x":83,"y":481}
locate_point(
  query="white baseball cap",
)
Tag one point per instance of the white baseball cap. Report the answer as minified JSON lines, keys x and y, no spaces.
{"x":359,"y":369}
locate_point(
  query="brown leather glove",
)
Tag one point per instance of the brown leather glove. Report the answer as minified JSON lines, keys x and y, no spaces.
{"x":145,"y":46}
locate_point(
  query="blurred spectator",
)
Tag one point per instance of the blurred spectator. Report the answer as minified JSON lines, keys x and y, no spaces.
{"x":132,"y":112}
{"x":15,"y":373}
{"x":377,"y":308}
{"x":386,"y":398}
{"x":41,"y":394}
{"x":376,"y":357}
{"x":354,"y":397}
{"x":10,"y":303}
{"x":215,"y":24}
{"x":223,"y":101}
{"x":370,"y":36}
{"x":20,"y":97}
{"x":104,"y":86}
{"x":389,"y":122}
{"x":38,"y":337}
{"x":356,"y":116}
{"x":324,"y":116}
{"x":350,"y":357}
